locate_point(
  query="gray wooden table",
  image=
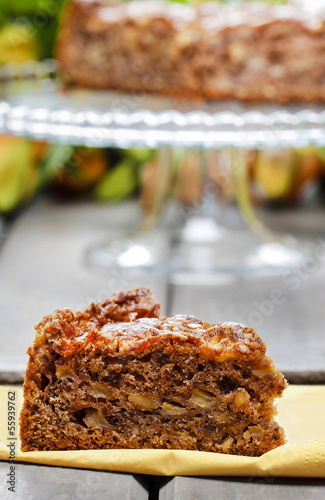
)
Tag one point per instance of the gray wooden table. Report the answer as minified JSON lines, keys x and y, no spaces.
{"x":52,"y":483}
{"x":239,"y":488}
{"x":42,"y":268}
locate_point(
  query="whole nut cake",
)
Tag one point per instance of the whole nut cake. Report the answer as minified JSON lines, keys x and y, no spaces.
{"x":118,"y":376}
{"x":252,"y":51}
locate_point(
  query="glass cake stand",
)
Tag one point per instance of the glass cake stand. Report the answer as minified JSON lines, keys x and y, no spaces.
{"x":204,"y":244}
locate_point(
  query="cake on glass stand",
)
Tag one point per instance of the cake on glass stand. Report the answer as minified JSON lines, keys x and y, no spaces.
{"x":207,"y":241}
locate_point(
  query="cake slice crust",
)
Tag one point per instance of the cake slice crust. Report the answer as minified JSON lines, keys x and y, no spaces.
{"x":118,"y":376}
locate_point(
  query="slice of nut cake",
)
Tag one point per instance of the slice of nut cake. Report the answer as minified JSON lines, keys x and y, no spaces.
{"x":117,"y":376}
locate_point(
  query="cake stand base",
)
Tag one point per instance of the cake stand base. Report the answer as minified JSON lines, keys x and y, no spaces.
{"x":201,"y":252}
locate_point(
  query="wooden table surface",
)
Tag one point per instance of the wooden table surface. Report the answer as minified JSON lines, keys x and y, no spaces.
{"x":42,"y":268}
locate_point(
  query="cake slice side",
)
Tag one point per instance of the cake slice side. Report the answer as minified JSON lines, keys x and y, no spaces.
{"x":175,"y":383}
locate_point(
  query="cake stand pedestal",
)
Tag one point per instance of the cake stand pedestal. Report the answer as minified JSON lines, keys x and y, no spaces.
{"x":33,"y":105}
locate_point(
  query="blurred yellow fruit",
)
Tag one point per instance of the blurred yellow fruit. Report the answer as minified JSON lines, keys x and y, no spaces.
{"x":19,"y":174}
{"x":39,"y":150}
{"x":274,"y":172}
{"x":285,"y":175}
{"x":85,"y":168}
{"x":17,"y":44}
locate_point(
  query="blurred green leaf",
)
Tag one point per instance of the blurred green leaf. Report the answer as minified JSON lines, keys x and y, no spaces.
{"x":119,"y":183}
{"x":46,"y":36}
{"x":3,"y":19}
{"x":321,"y":154}
{"x":17,"y":8}
{"x":139,"y":155}
{"x":57,"y":156}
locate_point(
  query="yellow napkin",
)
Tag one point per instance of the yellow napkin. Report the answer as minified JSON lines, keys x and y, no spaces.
{"x":301,"y":413}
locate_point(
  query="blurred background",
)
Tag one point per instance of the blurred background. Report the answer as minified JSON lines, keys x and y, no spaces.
{"x":277,"y":178}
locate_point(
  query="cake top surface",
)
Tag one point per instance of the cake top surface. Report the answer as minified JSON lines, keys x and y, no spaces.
{"x":209,"y":15}
{"x":214,"y":15}
{"x":128,"y":323}
{"x":141,"y":9}
{"x":224,"y":339}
